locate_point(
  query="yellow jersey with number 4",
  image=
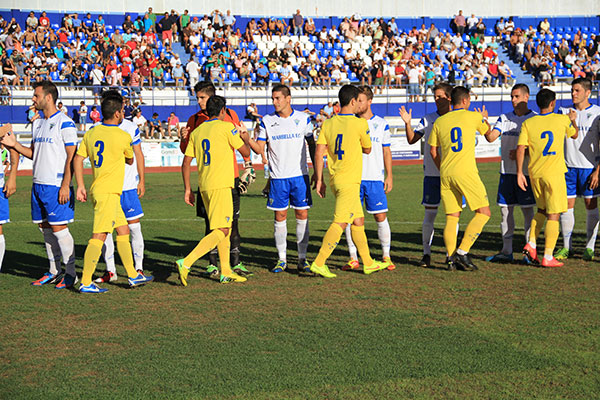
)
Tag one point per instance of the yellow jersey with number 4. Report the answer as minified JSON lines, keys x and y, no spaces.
{"x":107,"y":146}
{"x":345,"y":136}
{"x":212,"y":145}
{"x":454,"y":133}
{"x":544,"y":135}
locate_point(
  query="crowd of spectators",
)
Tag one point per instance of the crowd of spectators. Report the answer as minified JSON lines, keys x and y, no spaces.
{"x":86,"y":51}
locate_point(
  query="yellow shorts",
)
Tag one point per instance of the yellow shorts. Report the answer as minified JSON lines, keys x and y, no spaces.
{"x":453,"y":188}
{"x":347,"y":203}
{"x":108,"y":213}
{"x":219,"y":207}
{"x":550,"y":193}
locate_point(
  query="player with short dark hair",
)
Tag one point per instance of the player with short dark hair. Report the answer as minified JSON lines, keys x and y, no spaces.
{"x":454,"y":135}
{"x":212,"y":145}
{"x":344,"y":138}
{"x":509,"y":193}
{"x":109,"y":148}
{"x":544,"y":136}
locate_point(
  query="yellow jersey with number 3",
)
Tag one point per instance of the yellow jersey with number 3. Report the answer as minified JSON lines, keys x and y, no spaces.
{"x":106,"y":146}
{"x":345,"y":136}
{"x":212,"y":145}
{"x":454,"y":133}
{"x":544,"y":135}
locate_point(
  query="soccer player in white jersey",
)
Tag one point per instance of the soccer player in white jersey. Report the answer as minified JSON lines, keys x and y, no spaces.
{"x":287,"y":132}
{"x":133,"y":189}
{"x":8,"y":186}
{"x":53,"y":144}
{"x":509,"y":193}
{"x":376,"y":181}
{"x":581,"y":156}
{"x":431,"y":181}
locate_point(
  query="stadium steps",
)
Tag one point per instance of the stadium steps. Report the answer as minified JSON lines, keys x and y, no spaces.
{"x":520,"y":75}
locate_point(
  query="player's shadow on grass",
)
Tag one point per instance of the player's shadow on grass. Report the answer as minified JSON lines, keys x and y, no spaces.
{"x":24,"y":264}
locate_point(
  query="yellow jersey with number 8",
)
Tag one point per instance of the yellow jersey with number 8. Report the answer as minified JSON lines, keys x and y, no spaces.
{"x":455,"y":134}
{"x":212,"y":144}
{"x":544,"y":135}
{"x":345,"y":136}
{"x":107,"y":146}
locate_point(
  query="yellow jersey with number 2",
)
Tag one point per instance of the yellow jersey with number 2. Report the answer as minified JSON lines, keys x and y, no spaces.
{"x":345,"y":136}
{"x":107,"y":146}
{"x":454,"y":133}
{"x":544,"y":135}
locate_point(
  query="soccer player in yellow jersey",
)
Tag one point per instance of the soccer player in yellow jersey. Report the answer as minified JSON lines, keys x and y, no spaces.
{"x":344,"y":138}
{"x":212,"y":144}
{"x":454,"y":135}
{"x":108,"y":147}
{"x":544,"y":136}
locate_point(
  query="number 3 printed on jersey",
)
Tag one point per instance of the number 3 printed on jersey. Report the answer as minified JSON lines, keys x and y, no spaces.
{"x":99,"y":157}
{"x":456,"y":138}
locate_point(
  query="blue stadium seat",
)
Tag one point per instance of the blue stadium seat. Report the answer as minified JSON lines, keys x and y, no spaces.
{"x":168,"y":78}
{"x":233,"y":77}
{"x":274,"y":76}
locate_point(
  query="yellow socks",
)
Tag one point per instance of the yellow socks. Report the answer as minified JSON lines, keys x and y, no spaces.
{"x":124,"y":250}
{"x":360,"y":241}
{"x":223,"y":249}
{"x":330,"y":241}
{"x":450,"y":234}
{"x":207,"y":243}
{"x":473,"y":230}
{"x":536,"y":227}
{"x":551,"y":236}
{"x":90,"y":260}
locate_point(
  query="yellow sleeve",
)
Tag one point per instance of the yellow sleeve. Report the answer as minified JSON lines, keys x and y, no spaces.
{"x":82,"y":150}
{"x":570,"y":128}
{"x":433,"y":137}
{"x":235,"y":141}
{"x":524,"y":135}
{"x":191,"y":148}
{"x":128,"y":148}
{"x":323,"y":135}
{"x":482,"y":127}
{"x":365,"y":139}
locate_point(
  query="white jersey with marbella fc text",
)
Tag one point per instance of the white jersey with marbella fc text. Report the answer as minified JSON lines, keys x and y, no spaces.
{"x":424,"y":130}
{"x":286,"y":143}
{"x":583,"y":152}
{"x":49,"y":138}
{"x":132,"y":178}
{"x":373,"y":166}
{"x":509,"y":126}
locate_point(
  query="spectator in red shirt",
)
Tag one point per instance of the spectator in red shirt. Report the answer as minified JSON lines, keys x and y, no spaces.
{"x":44,"y":21}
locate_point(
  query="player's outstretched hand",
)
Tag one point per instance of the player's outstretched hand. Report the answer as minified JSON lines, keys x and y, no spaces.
{"x":522,"y":181}
{"x":321,"y":188}
{"x":185,"y":132}
{"x":81,"y":194}
{"x":405,"y":115}
{"x":9,"y":140}
{"x":388,"y":184}
{"x":36,"y":115}
{"x":483,"y":111}
{"x":64,"y":194}
{"x":593,"y":180}
{"x":572,"y":114}
{"x":141,"y":189}
{"x":189,"y":198}
{"x":10,"y":187}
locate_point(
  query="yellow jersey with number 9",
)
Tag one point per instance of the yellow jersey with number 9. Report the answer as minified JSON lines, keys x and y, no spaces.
{"x":212,"y":144}
{"x":455,"y":134}
{"x":107,"y":146}
{"x":345,"y":136}
{"x":544,"y":135}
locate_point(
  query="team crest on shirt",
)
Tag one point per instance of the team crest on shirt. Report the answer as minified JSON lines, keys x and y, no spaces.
{"x":296,"y":121}
{"x":375,"y":126}
{"x":227,"y":219}
{"x":52,"y":126}
{"x":274,"y":124}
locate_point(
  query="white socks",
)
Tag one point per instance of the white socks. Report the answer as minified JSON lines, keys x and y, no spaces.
{"x":109,"y":253}
{"x":528,"y":213}
{"x":567,"y":222}
{"x":507,"y":227}
{"x":302,"y":235}
{"x":428,"y":220}
{"x":592,"y":227}
{"x":351,"y":246}
{"x":385,"y":236}
{"x":137,"y":244}
{"x":67,"y":249}
{"x":52,"y":250}
{"x":2,"y":249}
{"x":280,"y":233}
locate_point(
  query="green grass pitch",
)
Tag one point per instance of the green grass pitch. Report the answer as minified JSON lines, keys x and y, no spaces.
{"x":507,"y":331}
